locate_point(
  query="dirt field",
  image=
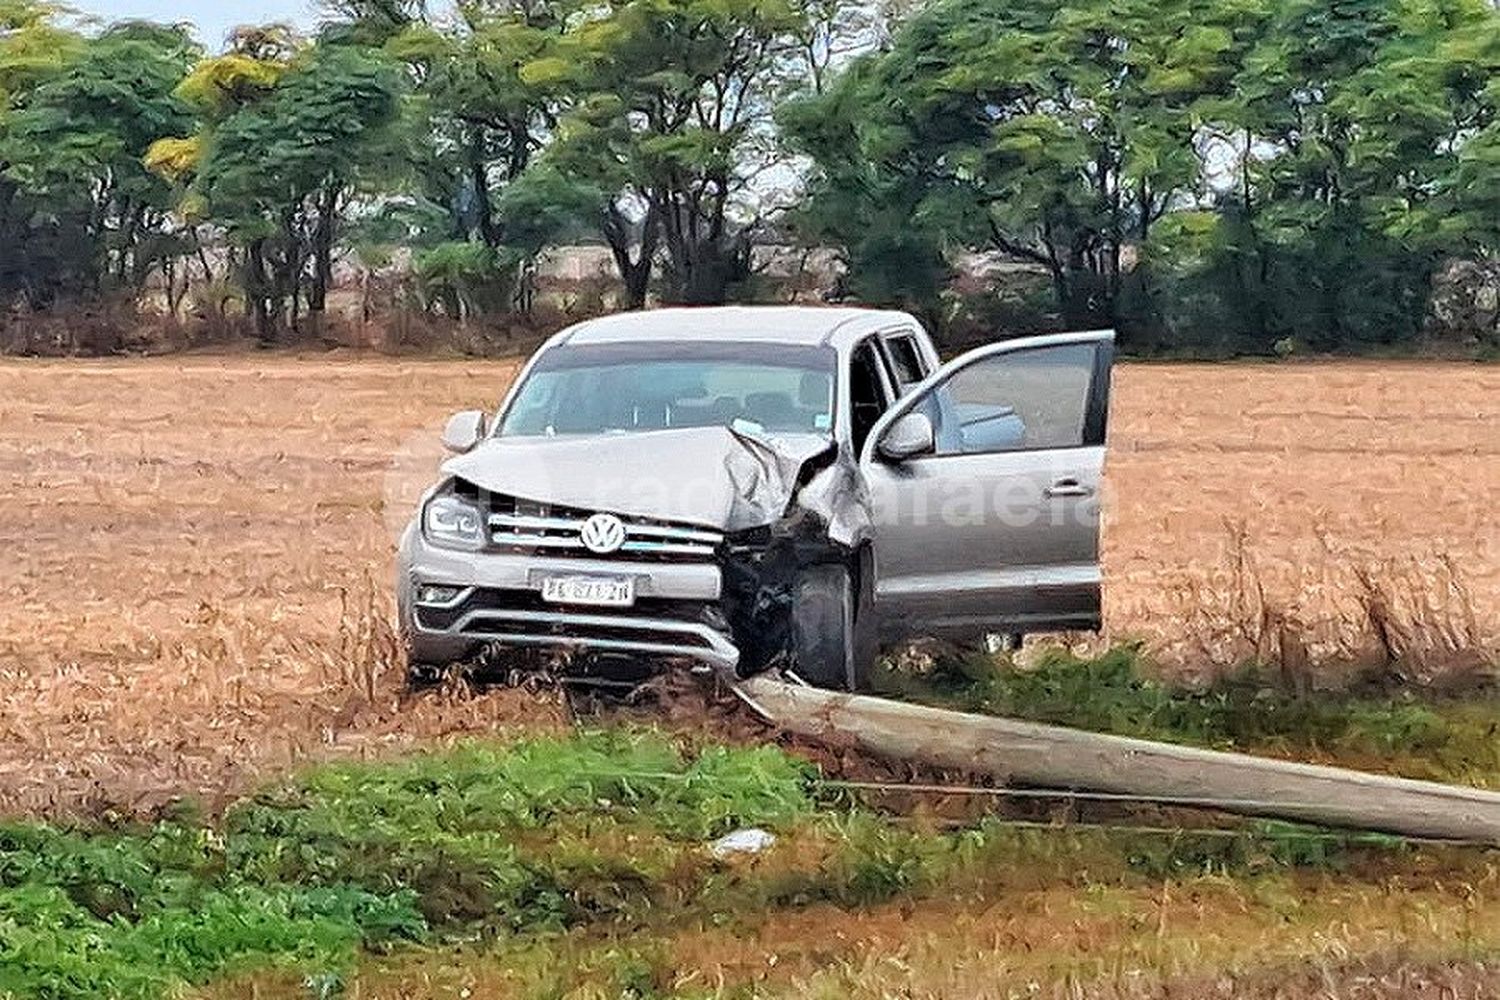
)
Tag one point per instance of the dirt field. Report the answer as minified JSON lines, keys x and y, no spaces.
{"x":197,"y":551}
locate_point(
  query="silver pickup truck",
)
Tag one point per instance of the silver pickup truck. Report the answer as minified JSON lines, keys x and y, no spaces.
{"x":752,"y":487}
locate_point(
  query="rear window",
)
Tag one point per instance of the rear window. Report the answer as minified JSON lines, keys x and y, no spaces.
{"x":906,"y":360}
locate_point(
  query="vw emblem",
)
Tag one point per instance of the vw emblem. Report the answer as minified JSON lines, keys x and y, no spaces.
{"x":603,"y":533}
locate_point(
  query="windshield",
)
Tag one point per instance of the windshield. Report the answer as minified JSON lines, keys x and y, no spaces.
{"x":617,"y":388}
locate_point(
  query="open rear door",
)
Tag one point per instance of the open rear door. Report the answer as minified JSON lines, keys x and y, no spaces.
{"x":985,"y":481}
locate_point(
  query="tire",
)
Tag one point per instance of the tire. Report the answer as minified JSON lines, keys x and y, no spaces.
{"x":833,"y":629}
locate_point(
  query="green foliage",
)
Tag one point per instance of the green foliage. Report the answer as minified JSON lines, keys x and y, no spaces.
{"x":1053,"y":131}
{"x":307,"y":133}
{"x":138,"y":914}
{"x":87,"y":123}
{"x":282,"y":153}
{"x":78,"y":115}
{"x":546,"y":206}
{"x":485,"y":99}
{"x":33,"y":47}
{"x":1345,"y":210}
{"x":460,"y":828}
{"x":604,"y":830}
{"x":670,"y":112}
{"x":360,"y":856}
{"x":1282,"y":169}
{"x":457,"y":275}
{"x":1220,"y":176}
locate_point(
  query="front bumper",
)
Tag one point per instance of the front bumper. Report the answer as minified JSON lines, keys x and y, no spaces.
{"x":500,"y":603}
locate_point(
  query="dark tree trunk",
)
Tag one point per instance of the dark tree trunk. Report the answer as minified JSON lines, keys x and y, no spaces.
{"x":143,"y":220}
{"x":635,"y":273}
{"x":289,"y":265}
{"x":519,"y":155}
{"x":202,"y":255}
{"x":129,"y":221}
{"x":1062,"y":288}
{"x":705,"y":271}
{"x":1258,"y":295}
{"x":176,"y":290}
{"x":479,"y":179}
{"x":637,"y":279}
{"x":703,"y":262}
{"x":258,"y":291}
{"x":322,"y":251}
{"x":11,"y":269}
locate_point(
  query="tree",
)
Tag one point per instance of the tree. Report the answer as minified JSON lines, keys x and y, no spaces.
{"x":1055,"y":131}
{"x":369,"y":23}
{"x":456,"y":276}
{"x":670,"y":126}
{"x":1281,"y":167}
{"x":1466,"y":209}
{"x":1357,"y":120}
{"x":1238,"y":171}
{"x":288,"y":137}
{"x":487,"y":90}
{"x":75,"y":199}
{"x":894,"y":252}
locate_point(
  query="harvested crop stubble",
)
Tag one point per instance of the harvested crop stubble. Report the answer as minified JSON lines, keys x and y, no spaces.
{"x":196,"y":579}
{"x":1321,"y":516}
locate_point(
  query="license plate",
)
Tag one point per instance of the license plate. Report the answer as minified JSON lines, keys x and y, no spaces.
{"x":608,"y":592}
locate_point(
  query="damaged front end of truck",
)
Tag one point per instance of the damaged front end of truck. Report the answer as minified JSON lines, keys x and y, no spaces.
{"x":768,"y":570}
{"x":722,"y":548}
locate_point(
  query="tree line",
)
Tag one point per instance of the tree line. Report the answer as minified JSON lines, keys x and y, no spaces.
{"x":1230,"y":173}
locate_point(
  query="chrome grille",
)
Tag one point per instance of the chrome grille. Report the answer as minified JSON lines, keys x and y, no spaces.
{"x":559,"y":534}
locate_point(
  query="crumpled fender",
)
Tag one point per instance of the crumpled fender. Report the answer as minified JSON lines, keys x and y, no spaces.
{"x":765,"y":473}
{"x":839,"y":497}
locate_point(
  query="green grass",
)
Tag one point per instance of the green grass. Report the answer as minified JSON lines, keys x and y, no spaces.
{"x":514,"y":843}
{"x":355,"y":857}
{"x":582,"y":860}
{"x":1411,"y":732}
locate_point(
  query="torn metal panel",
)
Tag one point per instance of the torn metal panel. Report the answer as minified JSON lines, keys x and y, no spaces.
{"x":838,"y":496}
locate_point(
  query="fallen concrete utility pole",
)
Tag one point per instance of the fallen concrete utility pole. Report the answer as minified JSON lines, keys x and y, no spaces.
{"x":1028,"y":753}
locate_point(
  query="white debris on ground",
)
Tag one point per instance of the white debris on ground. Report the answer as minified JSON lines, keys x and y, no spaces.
{"x":748,"y":841}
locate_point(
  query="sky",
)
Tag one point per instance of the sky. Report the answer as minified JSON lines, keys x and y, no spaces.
{"x":213,"y":18}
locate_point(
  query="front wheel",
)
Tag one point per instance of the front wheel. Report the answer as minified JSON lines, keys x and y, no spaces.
{"x":833,"y":628}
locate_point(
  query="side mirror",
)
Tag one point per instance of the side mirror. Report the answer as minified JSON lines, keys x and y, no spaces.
{"x":909,"y":436}
{"x":465,"y":429}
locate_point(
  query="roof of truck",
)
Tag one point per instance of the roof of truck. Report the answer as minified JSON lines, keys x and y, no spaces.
{"x":774,"y":324}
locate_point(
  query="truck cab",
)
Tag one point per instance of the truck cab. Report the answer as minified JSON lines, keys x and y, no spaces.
{"x":745,"y":488}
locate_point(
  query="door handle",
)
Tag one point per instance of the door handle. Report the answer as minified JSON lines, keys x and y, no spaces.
{"x":1068,"y":488}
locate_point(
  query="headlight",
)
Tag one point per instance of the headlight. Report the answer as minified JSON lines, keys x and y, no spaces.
{"x":453,"y":523}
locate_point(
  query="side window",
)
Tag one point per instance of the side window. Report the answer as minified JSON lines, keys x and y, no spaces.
{"x":1020,"y":401}
{"x":905,"y":360}
{"x":867,"y":395}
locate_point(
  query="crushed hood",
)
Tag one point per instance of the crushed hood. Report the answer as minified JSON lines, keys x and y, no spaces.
{"x":710,"y":476}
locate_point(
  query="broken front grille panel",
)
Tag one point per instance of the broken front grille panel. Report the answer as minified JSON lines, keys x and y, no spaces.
{"x":524,"y":525}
